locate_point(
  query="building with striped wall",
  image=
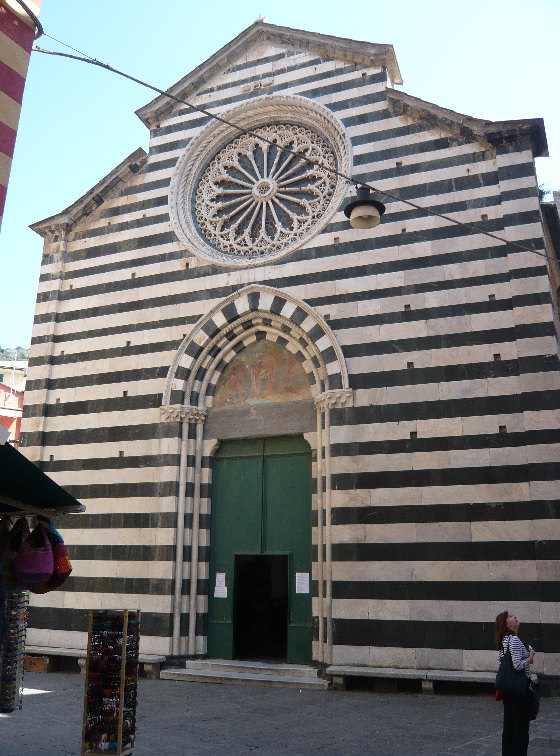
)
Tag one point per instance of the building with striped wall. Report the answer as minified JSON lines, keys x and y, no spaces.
{"x":17,"y":32}
{"x":349,"y":437}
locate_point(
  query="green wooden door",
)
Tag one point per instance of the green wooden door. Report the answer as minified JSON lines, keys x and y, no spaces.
{"x":261,"y":504}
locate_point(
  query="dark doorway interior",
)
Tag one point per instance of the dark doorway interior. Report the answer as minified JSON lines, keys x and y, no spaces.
{"x":261,"y":606}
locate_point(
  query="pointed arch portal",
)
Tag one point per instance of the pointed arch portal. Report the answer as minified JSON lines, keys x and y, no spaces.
{"x":223,"y":343}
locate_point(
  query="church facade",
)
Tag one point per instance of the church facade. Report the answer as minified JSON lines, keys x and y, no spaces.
{"x":296,"y":439}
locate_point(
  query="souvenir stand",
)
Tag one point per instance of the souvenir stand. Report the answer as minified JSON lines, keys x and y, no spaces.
{"x":27,"y":492}
{"x":111,"y":682}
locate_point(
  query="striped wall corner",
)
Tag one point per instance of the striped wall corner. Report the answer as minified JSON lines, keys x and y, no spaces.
{"x":17,"y":32}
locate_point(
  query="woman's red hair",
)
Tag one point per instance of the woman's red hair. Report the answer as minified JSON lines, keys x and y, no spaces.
{"x":501,"y":630}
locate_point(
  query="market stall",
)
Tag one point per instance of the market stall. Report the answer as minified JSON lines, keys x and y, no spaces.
{"x":32,"y":556}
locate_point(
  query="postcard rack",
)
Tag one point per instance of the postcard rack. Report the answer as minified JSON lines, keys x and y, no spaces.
{"x":111,"y":682}
{"x":12,"y":653}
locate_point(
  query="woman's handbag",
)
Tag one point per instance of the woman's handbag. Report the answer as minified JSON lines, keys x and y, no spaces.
{"x":533,"y":702}
{"x":510,"y":682}
{"x":34,"y":562}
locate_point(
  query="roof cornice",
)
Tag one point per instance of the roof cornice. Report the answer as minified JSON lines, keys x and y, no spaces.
{"x":362,"y":53}
{"x":493,"y":132}
{"x":94,"y":197}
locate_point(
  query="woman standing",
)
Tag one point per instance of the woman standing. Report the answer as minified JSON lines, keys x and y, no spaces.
{"x":515,"y":735}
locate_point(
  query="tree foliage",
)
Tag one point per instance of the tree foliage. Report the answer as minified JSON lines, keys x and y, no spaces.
{"x":543,"y":192}
{"x":14,"y":353}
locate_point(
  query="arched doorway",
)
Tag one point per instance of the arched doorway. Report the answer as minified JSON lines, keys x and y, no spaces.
{"x":191,"y":399}
{"x":259,"y":604}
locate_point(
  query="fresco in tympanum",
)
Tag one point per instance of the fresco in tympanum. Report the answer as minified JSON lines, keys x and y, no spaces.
{"x":263,"y":372}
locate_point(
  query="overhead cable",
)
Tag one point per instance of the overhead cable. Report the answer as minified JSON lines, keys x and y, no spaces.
{"x":93,"y":61}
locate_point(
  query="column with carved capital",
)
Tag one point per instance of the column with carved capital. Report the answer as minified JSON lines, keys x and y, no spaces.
{"x":173,"y":413}
{"x":336,"y":398}
{"x":186,"y":414}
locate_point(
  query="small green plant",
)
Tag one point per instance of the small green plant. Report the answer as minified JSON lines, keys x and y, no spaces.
{"x":543,"y":192}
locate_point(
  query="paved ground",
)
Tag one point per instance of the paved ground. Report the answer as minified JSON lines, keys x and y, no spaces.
{"x":179,"y":718}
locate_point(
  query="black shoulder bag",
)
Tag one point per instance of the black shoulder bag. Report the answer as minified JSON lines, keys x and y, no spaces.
{"x":533,"y":702}
{"x":511,"y":682}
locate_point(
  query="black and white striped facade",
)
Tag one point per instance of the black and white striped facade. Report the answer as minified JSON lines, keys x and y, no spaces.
{"x":431,"y":353}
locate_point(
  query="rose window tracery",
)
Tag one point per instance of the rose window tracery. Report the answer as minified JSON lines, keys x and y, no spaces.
{"x":245,"y":199}
{"x":260,"y":196}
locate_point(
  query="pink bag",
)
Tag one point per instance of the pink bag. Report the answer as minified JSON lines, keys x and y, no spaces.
{"x":62,"y":566}
{"x":9,"y":547}
{"x":34,"y":562}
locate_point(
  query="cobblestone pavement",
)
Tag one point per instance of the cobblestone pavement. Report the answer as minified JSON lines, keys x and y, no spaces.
{"x":180,"y":718}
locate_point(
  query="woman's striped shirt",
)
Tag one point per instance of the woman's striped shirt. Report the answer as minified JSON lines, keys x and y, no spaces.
{"x":519,"y":654}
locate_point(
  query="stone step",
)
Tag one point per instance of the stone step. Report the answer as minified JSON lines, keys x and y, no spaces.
{"x":239,"y":677}
{"x":252,"y":667}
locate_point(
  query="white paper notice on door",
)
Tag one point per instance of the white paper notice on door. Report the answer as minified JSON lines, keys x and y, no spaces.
{"x":220,"y":589}
{"x":220,"y":579}
{"x":302,"y":582}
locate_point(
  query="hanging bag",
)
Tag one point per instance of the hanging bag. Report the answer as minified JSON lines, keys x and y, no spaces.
{"x":6,"y":556}
{"x":34,"y":561}
{"x":12,"y":539}
{"x":511,"y":682}
{"x":62,"y":566}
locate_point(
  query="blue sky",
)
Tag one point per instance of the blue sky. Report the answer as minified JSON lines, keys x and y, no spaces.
{"x":495,"y":60}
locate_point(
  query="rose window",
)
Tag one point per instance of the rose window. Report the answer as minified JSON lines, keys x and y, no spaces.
{"x":259,"y":196}
{"x":244,"y":199}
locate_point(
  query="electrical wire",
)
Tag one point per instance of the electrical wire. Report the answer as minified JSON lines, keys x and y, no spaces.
{"x":60,"y":42}
{"x":84,"y":58}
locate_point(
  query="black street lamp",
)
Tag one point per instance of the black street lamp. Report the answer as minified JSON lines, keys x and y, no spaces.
{"x":364,"y":212}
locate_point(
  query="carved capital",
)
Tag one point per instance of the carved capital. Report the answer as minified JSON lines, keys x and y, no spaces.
{"x":334,"y":399}
{"x":170,"y":414}
{"x":194,"y":414}
{"x":178,"y":412}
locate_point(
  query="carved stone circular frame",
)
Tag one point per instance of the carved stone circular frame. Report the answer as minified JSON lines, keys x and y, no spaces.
{"x":259,"y":112}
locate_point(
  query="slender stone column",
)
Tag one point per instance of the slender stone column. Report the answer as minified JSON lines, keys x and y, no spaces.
{"x":186,"y":414}
{"x":324,"y":403}
{"x":320,"y":536}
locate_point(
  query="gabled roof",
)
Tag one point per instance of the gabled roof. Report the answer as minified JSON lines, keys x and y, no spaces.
{"x":493,"y":132}
{"x":362,"y":53}
{"x":94,"y":197}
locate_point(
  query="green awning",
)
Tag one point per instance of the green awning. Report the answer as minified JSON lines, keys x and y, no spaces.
{"x":24,"y":489}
